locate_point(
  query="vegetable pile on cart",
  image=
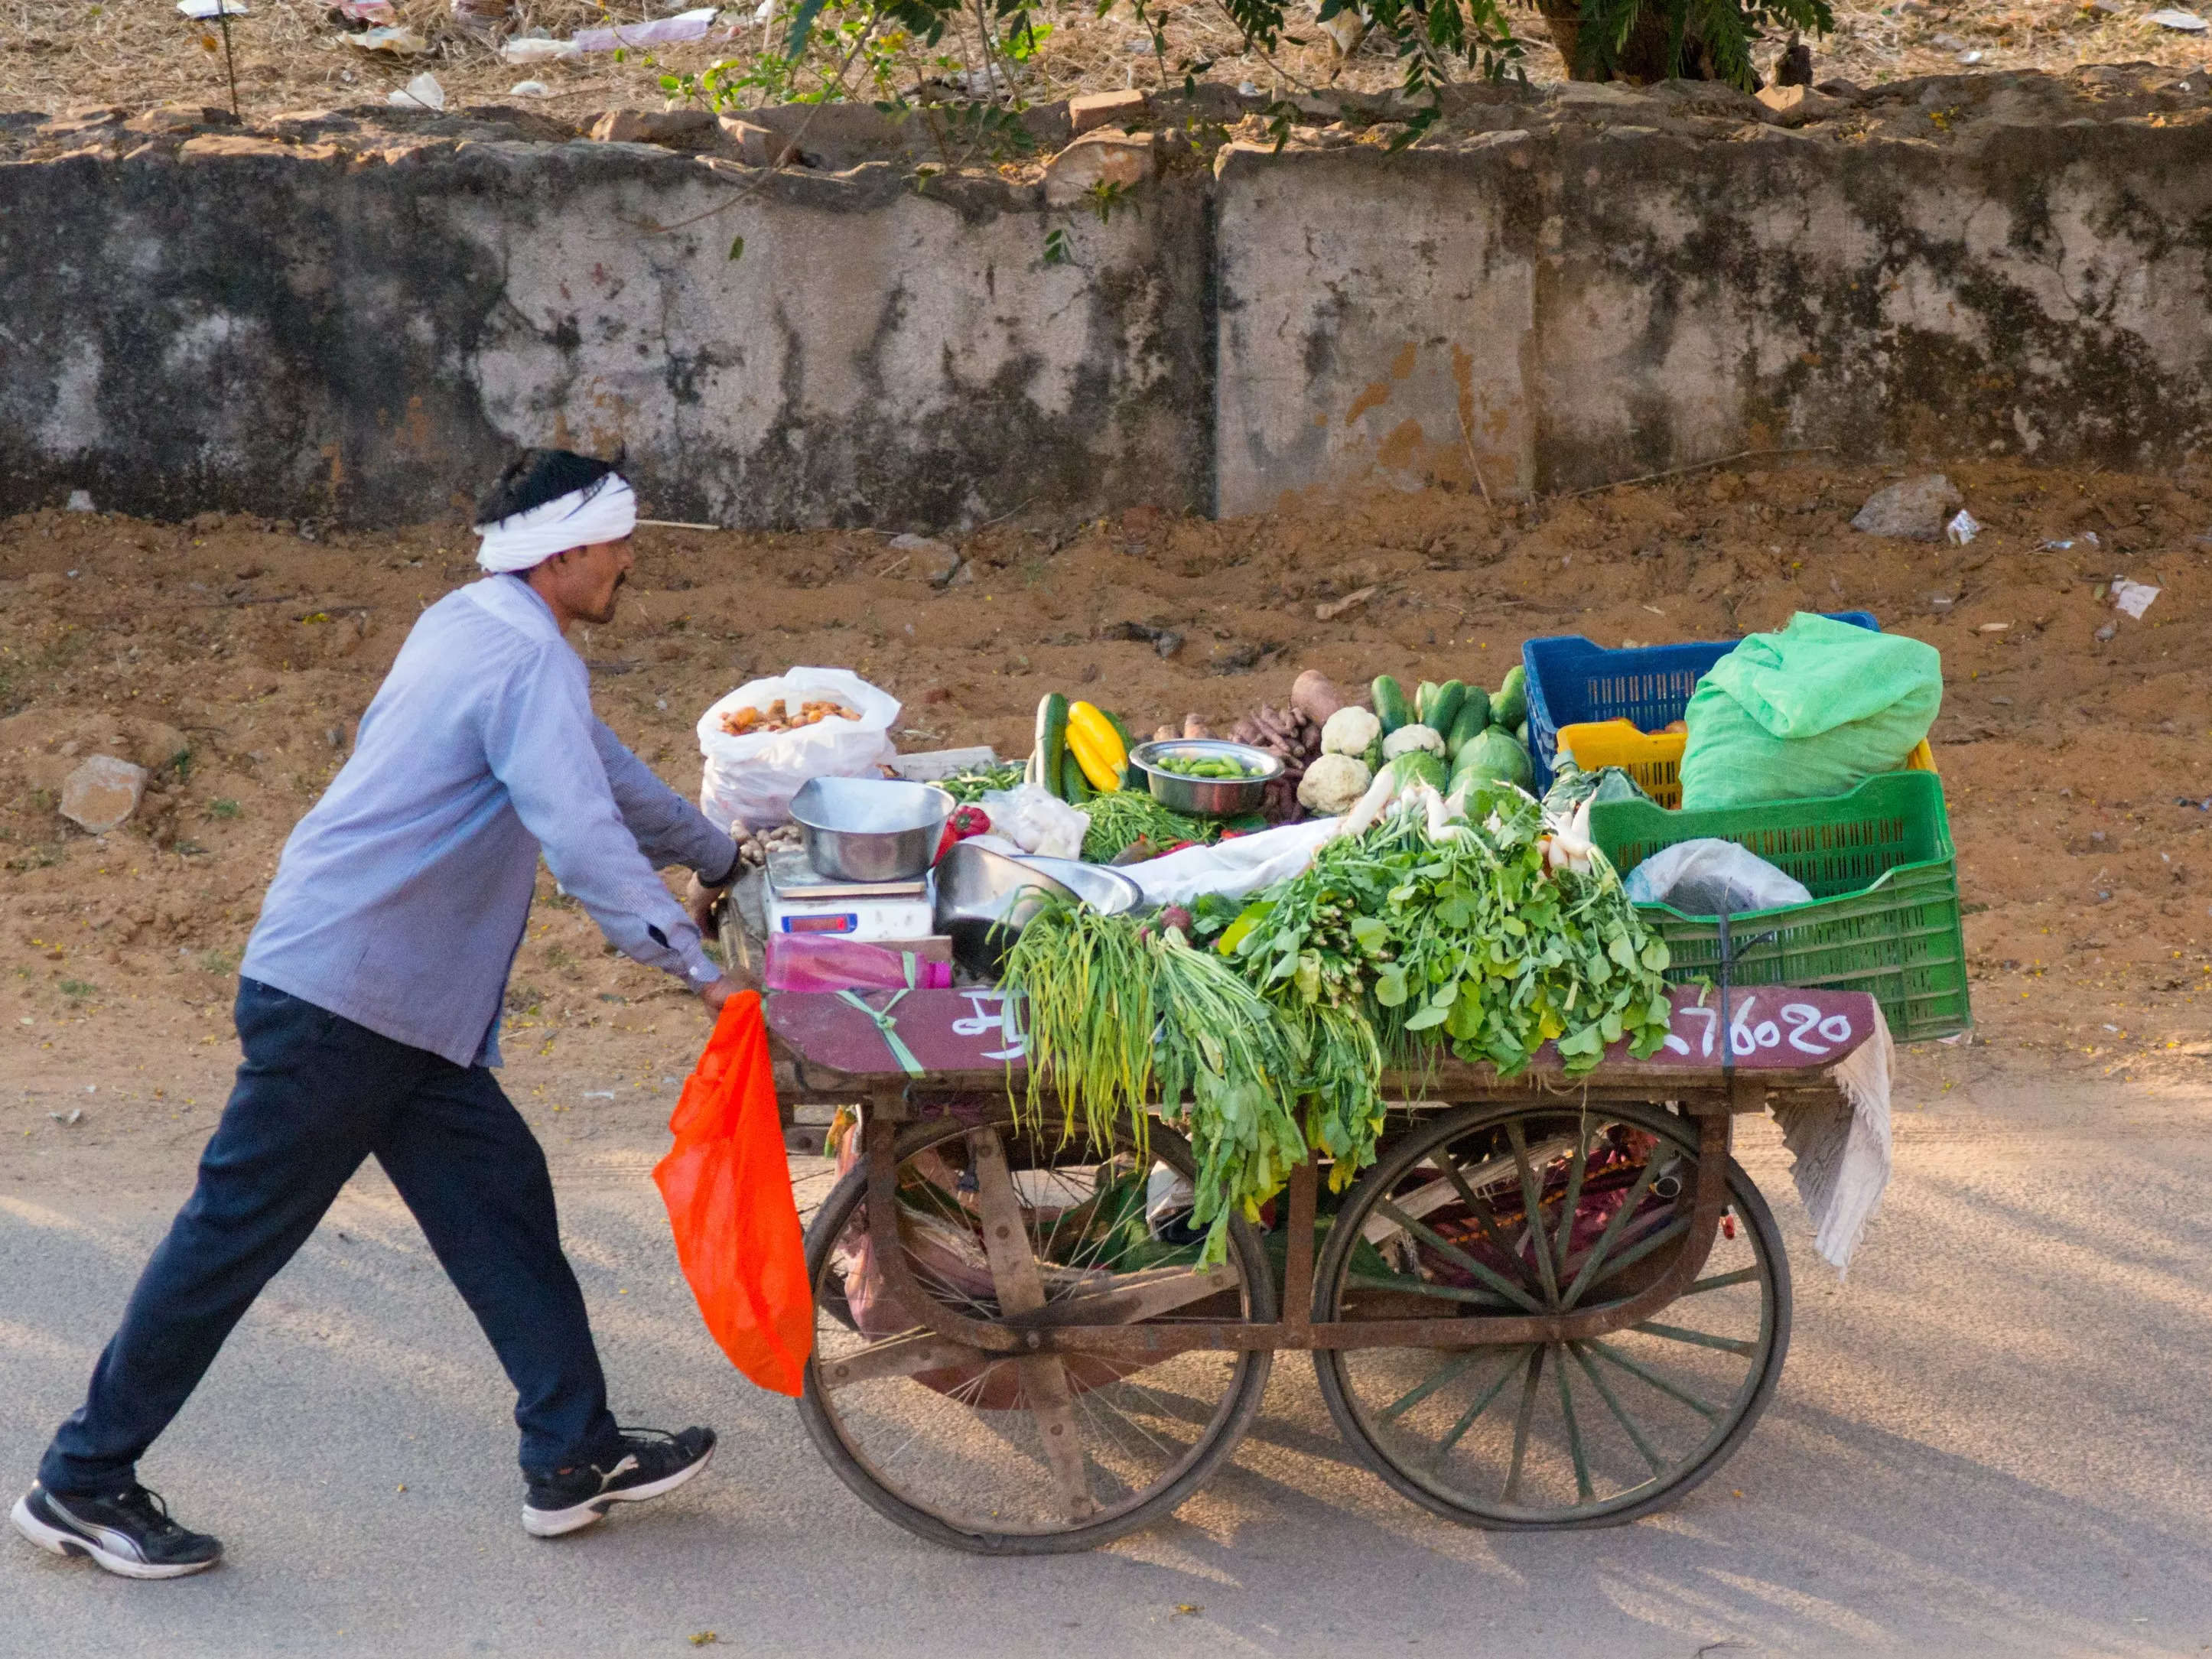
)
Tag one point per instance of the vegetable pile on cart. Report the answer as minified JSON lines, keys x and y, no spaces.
{"x":1344,"y":1031}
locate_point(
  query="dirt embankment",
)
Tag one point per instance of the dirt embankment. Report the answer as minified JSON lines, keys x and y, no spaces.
{"x":235,"y":659}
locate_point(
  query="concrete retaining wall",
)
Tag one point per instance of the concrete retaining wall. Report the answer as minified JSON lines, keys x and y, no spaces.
{"x":1590,"y":286}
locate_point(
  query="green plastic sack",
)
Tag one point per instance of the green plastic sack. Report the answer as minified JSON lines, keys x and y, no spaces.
{"x":1812,"y":711}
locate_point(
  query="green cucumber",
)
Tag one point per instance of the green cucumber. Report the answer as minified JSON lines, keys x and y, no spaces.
{"x":1473,"y":719}
{"x":1052,"y":741}
{"x":1450,"y":698}
{"x":1510,"y":706}
{"x":1391,"y":706}
{"x":1074,"y":787}
{"x":1425,"y":701}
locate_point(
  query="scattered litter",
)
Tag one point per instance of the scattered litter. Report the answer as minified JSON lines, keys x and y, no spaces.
{"x":79,"y":501}
{"x":2059,"y":547}
{"x":68,"y":1118}
{"x":535,"y":49}
{"x":1971,"y":57}
{"x":2187,"y":21}
{"x":400,"y":41}
{"x":529,"y":89}
{"x":598,"y":1094}
{"x":2133,"y":598}
{"x":423,"y":92}
{"x":1993,"y":628}
{"x":1962,"y":529}
{"x":1247,"y":89}
{"x":2106,"y":632}
{"x":367,"y":11}
{"x":1941,"y":603}
{"x":661,"y":32}
{"x":2204,"y":806}
{"x":237,"y":8}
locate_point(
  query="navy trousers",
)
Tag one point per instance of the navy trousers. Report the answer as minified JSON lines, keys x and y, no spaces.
{"x":316,"y":1095}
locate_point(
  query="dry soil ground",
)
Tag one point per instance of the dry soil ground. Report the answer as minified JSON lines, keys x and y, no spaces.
{"x":234,"y":657}
{"x":58,"y":54}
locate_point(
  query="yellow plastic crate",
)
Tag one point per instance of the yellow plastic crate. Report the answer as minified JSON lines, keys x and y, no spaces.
{"x":1654,"y":759}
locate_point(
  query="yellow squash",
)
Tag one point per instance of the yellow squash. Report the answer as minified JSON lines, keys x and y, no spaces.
{"x":1097,"y":748}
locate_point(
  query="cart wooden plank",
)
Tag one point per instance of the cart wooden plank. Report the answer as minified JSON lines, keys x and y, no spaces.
{"x":971,"y":1041}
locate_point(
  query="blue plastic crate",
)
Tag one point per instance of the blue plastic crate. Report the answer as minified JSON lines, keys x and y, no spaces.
{"x":1573,"y":679}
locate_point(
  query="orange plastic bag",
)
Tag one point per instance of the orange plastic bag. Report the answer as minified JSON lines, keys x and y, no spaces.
{"x":728,"y":1193}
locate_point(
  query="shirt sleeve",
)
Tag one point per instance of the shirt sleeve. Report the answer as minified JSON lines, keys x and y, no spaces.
{"x":668,"y":828}
{"x":539,"y":744}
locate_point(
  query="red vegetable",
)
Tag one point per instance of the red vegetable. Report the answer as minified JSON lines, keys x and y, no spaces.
{"x":944,"y":841}
{"x":967,"y":821}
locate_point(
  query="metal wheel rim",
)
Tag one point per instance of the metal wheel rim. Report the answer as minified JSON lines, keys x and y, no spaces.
{"x":1522,"y":1386}
{"x":1237,"y":1403}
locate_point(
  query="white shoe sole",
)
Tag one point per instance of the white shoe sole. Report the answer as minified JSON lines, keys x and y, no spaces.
{"x":551,"y":1523}
{"x":55,"y":1542}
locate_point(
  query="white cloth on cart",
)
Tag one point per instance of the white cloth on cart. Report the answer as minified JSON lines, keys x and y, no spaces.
{"x":1842,"y":1147}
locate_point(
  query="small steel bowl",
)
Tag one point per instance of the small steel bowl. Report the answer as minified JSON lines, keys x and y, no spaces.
{"x":870,"y":828}
{"x":1206,"y":798}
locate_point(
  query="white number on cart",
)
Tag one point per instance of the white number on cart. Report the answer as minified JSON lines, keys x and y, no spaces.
{"x":1000,"y":1018}
{"x":1806,"y":1023}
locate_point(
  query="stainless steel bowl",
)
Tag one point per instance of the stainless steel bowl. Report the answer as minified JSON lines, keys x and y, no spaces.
{"x":1107,"y":891}
{"x":1206,"y":798}
{"x":984,"y":899}
{"x":870,"y":828}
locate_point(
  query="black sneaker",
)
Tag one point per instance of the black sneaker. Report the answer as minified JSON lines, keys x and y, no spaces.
{"x":128,"y":1532}
{"x":646,"y":1463}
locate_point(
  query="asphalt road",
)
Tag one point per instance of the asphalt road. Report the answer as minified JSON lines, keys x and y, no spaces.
{"x":1995,"y":1438}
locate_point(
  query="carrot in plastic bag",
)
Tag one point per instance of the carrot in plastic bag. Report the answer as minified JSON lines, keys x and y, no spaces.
{"x":728,"y":1192}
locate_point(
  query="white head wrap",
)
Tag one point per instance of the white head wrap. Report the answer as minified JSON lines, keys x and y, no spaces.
{"x":604,"y":511}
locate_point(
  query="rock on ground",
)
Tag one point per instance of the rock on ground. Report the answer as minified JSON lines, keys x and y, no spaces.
{"x":102,"y":793}
{"x":1913,"y":510}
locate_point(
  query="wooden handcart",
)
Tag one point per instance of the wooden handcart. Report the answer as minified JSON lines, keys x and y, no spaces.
{"x":1551,"y":1302}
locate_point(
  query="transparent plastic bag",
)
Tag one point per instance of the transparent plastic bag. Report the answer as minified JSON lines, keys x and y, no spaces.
{"x":1709,"y":878}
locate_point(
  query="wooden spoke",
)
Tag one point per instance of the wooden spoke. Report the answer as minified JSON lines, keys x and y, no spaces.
{"x":1532,"y":1209}
{"x":1699,"y":1339}
{"x":1644,"y":1373}
{"x":1571,"y":1204}
{"x":1020,"y":1284}
{"x":1444,"y":1375}
{"x":1485,"y":1217}
{"x":1645,"y":1177}
{"x":1658,"y":1239}
{"x":1613,"y":1404}
{"x":1459,"y":1258}
{"x":1408,"y":1286}
{"x":897,"y":1356}
{"x":1583,"y":1491}
{"x":1528,"y":1414}
{"x":1722,"y":1281}
{"x":1515,"y":1359}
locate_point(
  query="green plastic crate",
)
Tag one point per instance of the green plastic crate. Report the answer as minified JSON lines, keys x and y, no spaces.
{"x":1884,"y":917}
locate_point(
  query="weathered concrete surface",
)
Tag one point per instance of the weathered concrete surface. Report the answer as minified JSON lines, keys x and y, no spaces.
{"x":356,"y":314}
{"x":307,"y":333}
{"x":1570,"y":306}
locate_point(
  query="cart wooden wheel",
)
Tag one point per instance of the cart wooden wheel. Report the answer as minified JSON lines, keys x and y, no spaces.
{"x":1506,"y":1209}
{"x":1029,"y":1454}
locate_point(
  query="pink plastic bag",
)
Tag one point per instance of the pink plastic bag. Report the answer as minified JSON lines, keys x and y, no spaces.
{"x":820,"y":962}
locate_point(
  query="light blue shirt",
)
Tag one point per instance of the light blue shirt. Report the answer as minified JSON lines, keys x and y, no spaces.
{"x":402,"y":896}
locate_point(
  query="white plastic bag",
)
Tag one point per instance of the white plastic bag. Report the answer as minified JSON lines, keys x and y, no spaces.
{"x":1707,"y":877}
{"x":1038,"y":821}
{"x":1231,"y":868}
{"x":753,"y":779}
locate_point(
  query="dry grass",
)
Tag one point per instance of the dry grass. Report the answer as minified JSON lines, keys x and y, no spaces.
{"x":55,"y":55}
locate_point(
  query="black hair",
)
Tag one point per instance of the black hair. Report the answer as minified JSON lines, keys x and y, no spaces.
{"x":538,"y":476}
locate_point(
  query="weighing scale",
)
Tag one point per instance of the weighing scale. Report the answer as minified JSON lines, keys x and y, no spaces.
{"x":799,"y":899}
